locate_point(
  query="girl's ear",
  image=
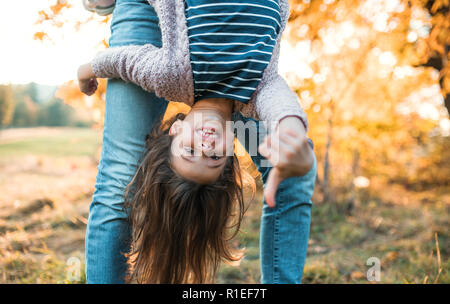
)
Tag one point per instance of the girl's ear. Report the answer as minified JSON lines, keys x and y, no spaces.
{"x":175,"y":127}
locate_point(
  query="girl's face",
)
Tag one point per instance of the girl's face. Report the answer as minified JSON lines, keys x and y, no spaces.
{"x":202,"y":142}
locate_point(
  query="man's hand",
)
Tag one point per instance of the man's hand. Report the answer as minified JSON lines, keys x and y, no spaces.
{"x":86,"y":79}
{"x":289,"y":152}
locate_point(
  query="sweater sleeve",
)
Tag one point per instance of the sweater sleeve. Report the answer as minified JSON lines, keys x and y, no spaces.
{"x":165,"y":71}
{"x":274,"y":99}
{"x":140,"y":64}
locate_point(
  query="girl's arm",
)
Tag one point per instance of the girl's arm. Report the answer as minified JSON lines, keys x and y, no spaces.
{"x":86,"y":79}
{"x":286,"y":147}
{"x":164,"y":71}
{"x":273,"y":98}
{"x":122,"y":62}
{"x":141,"y":64}
{"x":288,"y":150}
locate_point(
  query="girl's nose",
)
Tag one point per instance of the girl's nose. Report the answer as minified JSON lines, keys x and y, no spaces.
{"x":207,"y":146}
{"x":207,"y":142}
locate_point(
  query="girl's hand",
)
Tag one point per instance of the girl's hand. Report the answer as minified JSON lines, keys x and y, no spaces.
{"x":289,"y":152}
{"x":86,"y":79}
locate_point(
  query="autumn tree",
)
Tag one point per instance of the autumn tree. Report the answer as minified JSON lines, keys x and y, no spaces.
{"x":372,"y":76}
{"x":434,"y":50}
{"x":6,"y":105}
{"x":359,"y":76}
{"x":57,"y":15}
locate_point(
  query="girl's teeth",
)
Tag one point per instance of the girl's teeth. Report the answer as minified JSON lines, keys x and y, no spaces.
{"x":207,"y":133}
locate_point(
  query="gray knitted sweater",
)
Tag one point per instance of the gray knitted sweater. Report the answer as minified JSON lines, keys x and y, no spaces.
{"x":167,"y":71}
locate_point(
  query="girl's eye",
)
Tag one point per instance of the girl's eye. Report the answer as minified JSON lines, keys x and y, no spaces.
{"x":215,"y":157}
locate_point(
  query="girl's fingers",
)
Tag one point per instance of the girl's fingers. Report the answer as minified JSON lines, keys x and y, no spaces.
{"x":289,"y":139}
{"x":277,"y":150}
{"x":267,"y":151}
{"x":282,"y":144}
{"x":93,"y":85}
{"x":295,"y":142}
{"x":291,"y":133}
{"x":268,"y":139}
{"x":286,"y":149}
{"x":271,"y":186}
{"x":290,"y":136}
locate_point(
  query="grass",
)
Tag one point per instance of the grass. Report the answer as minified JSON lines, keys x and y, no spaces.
{"x":44,"y":242}
{"x":68,"y":142}
{"x":46,"y":182}
{"x":401,"y":237}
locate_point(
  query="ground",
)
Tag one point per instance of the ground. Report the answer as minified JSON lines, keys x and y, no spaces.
{"x":47,"y":178}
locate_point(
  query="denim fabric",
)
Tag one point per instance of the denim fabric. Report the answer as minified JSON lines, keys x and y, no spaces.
{"x":129,"y":115}
{"x":134,"y":23}
{"x":284,"y":229}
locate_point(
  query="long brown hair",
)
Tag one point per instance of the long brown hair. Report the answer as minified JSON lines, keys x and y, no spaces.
{"x":181,"y":230}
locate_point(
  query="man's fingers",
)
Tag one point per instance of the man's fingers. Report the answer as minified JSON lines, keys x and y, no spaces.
{"x":271,"y":186}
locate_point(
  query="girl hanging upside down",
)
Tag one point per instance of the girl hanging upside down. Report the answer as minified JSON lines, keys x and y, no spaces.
{"x":221,"y":58}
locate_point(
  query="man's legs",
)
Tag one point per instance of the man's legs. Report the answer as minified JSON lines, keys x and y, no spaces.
{"x":130,"y":114}
{"x":284,"y":229}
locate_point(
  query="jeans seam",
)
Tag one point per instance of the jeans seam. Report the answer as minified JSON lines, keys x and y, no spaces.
{"x":276,"y":247}
{"x":100,"y":179}
{"x":276,"y":276}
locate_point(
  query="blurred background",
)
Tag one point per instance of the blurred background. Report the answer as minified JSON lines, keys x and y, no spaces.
{"x":373,"y":77}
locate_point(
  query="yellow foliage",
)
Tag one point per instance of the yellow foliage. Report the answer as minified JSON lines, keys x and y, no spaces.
{"x":71,"y":94}
{"x":353,"y":110}
{"x":60,"y":4}
{"x":40,"y":36}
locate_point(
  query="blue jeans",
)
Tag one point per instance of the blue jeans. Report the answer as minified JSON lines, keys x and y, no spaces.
{"x":129,"y":115}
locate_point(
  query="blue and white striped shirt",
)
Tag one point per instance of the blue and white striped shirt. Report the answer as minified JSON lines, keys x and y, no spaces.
{"x":242,"y":33}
